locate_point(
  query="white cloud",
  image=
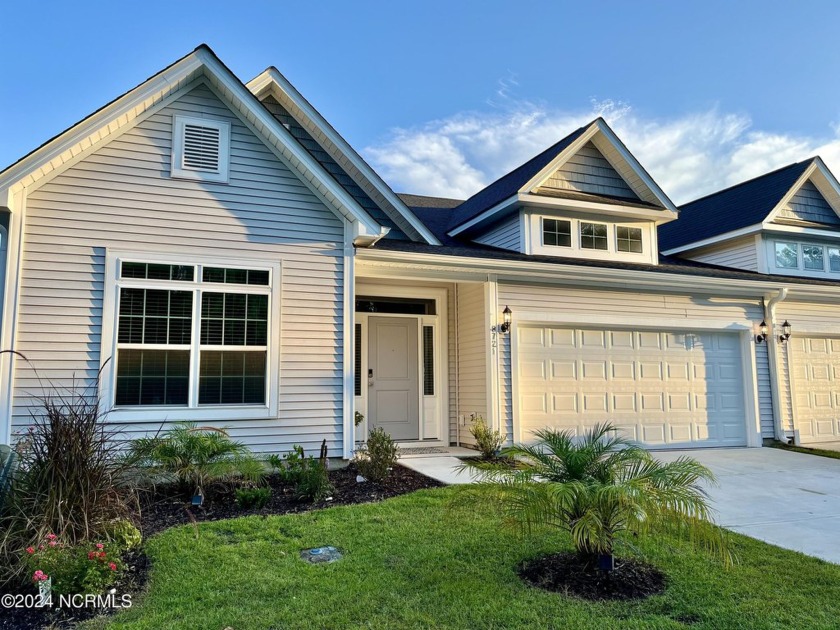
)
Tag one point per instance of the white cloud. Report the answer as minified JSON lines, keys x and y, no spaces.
{"x":688,"y":156}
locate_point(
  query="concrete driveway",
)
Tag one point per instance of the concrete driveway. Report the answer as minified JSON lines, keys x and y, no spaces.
{"x":787,"y":499}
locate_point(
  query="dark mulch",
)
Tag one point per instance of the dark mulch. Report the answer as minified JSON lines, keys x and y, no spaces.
{"x":166,"y":509}
{"x":567,"y":573}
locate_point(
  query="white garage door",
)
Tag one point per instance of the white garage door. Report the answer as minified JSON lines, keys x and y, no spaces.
{"x":815,"y":371}
{"x":664,"y":389}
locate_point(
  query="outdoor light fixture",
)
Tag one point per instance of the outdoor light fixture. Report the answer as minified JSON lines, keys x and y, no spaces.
{"x":505,"y":327}
{"x":785,"y":332}
{"x":762,"y":332}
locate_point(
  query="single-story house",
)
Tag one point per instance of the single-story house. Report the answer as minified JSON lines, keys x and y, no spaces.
{"x":210,"y":250}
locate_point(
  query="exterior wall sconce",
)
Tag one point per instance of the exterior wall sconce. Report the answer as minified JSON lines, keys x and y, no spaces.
{"x":762,"y":332}
{"x":505,"y":326}
{"x":786,"y":327}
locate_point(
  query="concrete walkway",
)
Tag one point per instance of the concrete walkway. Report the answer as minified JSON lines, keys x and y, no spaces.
{"x":787,"y":499}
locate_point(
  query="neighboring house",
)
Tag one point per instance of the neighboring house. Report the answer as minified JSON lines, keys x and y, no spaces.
{"x":221,"y":254}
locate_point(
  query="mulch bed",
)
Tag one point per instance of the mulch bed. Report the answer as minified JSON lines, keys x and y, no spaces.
{"x":164,"y":509}
{"x":568,"y":574}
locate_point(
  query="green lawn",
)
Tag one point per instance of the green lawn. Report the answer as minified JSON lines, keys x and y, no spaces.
{"x":416,"y":562}
{"x":807,"y":450}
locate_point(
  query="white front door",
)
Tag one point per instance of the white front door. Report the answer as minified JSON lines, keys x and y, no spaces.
{"x":659,"y":388}
{"x":393,"y":377}
{"x":815,"y":372}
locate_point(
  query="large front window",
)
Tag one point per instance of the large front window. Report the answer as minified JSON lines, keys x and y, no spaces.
{"x":192,"y":335}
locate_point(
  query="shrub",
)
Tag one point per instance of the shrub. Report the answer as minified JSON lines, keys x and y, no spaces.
{"x":122,"y":535}
{"x":487,"y":440}
{"x":248,"y":498}
{"x":290,"y":466}
{"x":196,"y":457}
{"x":377,"y":456}
{"x":308,"y":475}
{"x":600,"y":488}
{"x":84,"y":569}
{"x":70,"y":480}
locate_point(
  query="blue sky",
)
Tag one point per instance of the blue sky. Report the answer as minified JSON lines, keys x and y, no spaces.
{"x":442,"y":97}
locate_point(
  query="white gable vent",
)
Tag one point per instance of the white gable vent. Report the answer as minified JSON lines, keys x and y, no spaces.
{"x":200,"y":149}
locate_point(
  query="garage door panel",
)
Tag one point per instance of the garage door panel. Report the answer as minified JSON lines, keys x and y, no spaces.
{"x":661,"y":388}
{"x":815,"y":372}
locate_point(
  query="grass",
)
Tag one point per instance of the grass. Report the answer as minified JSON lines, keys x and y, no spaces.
{"x":418,"y":562}
{"x":808,"y":451}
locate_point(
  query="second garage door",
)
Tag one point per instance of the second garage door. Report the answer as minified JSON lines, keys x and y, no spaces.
{"x":663,"y":389}
{"x":815,"y":371}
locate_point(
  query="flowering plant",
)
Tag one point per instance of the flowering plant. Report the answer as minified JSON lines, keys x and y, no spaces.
{"x":83,"y":569}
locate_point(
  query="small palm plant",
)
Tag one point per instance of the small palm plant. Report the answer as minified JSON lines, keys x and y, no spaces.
{"x":600,"y":488}
{"x":196,"y":457}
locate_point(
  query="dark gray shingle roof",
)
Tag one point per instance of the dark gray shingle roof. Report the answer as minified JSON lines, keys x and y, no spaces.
{"x":730,"y":209}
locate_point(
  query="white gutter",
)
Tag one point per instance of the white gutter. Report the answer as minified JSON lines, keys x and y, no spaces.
{"x":369,"y":240}
{"x":772,"y":342}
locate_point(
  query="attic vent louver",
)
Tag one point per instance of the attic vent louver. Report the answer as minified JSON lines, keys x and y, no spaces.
{"x":200,"y":149}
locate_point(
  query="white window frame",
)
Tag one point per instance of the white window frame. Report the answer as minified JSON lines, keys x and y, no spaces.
{"x":821,"y":248}
{"x":535,"y":240}
{"x":564,"y":220}
{"x":641,"y":239}
{"x":193,"y":412}
{"x":178,"y":170}
{"x":798,"y":246}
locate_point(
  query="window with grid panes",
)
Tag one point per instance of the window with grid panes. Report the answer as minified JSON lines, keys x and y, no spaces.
{"x":170,"y":355}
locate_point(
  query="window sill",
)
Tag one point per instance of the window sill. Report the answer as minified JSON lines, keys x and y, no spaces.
{"x":178,"y":414}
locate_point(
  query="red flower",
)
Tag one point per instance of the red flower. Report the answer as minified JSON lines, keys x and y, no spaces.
{"x":101,"y":554}
{"x":40,"y":576}
{"x":30,"y":550}
{"x":51,"y":536}
{"x":91,"y":555}
{"x":113,"y":566}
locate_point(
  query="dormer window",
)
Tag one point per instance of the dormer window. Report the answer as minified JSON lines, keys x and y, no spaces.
{"x":787,"y":255}
{"x":593,"y":236}
{"x":628,"y":239}
{"x":812,"y":257}
{"x":834,"y":259}
{"x":557,"y":233}
{"x":200,"y":149}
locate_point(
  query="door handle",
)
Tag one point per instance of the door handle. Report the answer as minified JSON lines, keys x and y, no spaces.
{"x":370,"y":378}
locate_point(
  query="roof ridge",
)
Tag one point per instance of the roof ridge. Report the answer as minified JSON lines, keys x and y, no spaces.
{"x":749,"y":181}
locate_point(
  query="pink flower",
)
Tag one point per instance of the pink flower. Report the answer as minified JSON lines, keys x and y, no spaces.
{"x":100,"y":546}
{"x":41,"y":547}
{"x":51,"y":536}
{"x":53,"y":543}
{"x":40,"y":576}
{"x":112,"y":566}
{"x":30,"y":550}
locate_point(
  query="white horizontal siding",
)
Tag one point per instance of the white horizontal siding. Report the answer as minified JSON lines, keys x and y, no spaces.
{"x":472,"y":355}
{"x":542,"y":300}
{"x":505,"y":235}
{"x":738,"y":254}
{"x":123,"y":197}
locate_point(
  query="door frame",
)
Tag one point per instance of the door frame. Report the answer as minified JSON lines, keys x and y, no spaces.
{"x":744,"y":329}
{"x":433,"y":410}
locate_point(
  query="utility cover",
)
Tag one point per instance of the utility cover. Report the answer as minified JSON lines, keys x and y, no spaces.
{"x":321,"y":555}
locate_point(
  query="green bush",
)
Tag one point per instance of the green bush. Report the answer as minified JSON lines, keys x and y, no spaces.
{"x":122,"y":534}
{"x":487,"y":441}
{"x":196,"y":458}
{"x":377,"y":456}
{"x":80,"y":569}
{"x":308,"y":475}
{"x":600,"y":488}
{"x":247,"y":498}
{"x":290,"y":466}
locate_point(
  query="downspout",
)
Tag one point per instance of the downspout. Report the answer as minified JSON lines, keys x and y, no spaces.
{"x":773,"y":358}
{"x":457,"y":371}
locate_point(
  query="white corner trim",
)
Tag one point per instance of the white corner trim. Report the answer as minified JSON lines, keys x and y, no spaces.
{"x":791,"y":192}
{"x":349,"y":319}
{"x":560,"y":159}
{"x":272,"y":79}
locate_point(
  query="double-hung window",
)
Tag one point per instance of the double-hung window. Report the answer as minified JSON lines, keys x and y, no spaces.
{"x":192,"y":335}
